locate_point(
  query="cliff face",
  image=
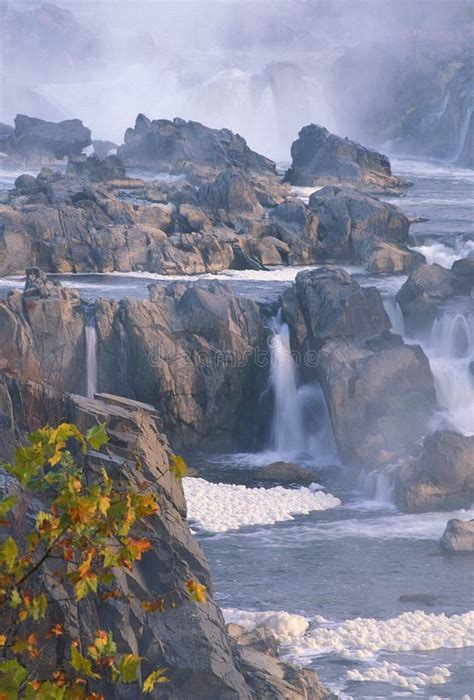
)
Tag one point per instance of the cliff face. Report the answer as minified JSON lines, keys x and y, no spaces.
{"x":190,"y":639}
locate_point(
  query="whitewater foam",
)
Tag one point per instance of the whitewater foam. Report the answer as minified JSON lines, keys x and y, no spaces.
{"x":404,"y":677}
{"x":222,"y":507}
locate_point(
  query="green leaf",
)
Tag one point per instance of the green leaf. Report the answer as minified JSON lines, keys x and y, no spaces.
{"x":6,"y":505}
{"x":9,"y":553}
{"x":15,"y":598}
{"x":178,"y":466}
{"x":81,"y":664}
{"x":12,"y":675}
{"x":86,"y":585}
{"x":128,"y":667}
{"x":155,"y":677}
{"x":97,"y":436}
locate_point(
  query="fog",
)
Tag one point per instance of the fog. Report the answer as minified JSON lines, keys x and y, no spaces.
{"x":263,"y":68}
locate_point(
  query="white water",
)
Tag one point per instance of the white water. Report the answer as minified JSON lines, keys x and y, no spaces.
{"x":91,"y":361}
{"x":464,"y":132}
{"x":450,"y":351}
{"x":300,"y":424}
{"x":395,"y":314}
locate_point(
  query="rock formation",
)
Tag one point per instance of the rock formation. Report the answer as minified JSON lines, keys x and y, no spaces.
{"x":379,"y":391}
{"x":429,"y":286}
{"x":441,"y":477}
{"x":322,"y":158}
{"x":36,"y":138}
{"x":188,"y":638}
{"x":458,"y":536}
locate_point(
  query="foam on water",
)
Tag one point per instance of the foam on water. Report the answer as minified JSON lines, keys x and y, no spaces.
{"x":443,"y":254}
{"x":404,"y":677}
{"x":222,"y":507}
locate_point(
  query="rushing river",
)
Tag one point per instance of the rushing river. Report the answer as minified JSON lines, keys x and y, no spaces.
{"x":316,"y":562}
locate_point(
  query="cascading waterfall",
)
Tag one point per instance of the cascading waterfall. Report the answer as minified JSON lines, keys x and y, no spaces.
{"x":464,"y":132}
{"x":395,"y":314}
{"x":287,"y":435}
{"x":300,"y":425}
{"x":91,"y":360}
{"x":451,"y":353}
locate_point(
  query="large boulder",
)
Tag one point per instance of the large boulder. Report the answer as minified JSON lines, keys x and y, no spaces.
{"x":96,"y":169}
{"x":36,"y":137}
{"x":342,"y":225}
{"x":379,"y":392}
{"x":232,"y":194}
{"x":428,"y":287}
{"x":191,"y":350}
{"x":322,"y":158}
{"x":179,"y":146}
{"x":441,"y":477}
{"x":458,"y":536}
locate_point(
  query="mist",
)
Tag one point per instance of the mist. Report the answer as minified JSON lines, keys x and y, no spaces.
{"x":263,"y":69}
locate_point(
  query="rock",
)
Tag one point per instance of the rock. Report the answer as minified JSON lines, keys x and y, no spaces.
{"x":285,"y":473}
{"x":343,"y":225}
{"x":102,"y":149}
{"x":232,"y":193}
{"x":379,"y":392}
{"x":189,"y":147}
{"x":464,"y":271}
{"x":333,"y":305}
{"x":26,"y":184}
{"x":458,"y":536}
{"x":425,"y":290}
{"x":322,"y":158}
{"x":419,"y":598}
{"x":441,"y":477}
{"x":36,"y":137}
{"x":96,"y":169}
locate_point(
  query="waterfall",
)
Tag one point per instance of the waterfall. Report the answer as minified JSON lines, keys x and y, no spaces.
{"x":301,"y":426}
{"x":287,"y":435}
{"x":379,"y":485}
{"x":91,"y":360}
{"x":464,"y":132}
{"x":395,"y":314}
{"x":451,"y":354}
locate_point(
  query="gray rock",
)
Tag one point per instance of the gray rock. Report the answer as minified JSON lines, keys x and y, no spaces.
{"x":36,"y":137}
{"x":322,"y":158}
{"x":419,"y":599}
{"x":458,"y":536}
{"x":285,"y":473}
{"x":441,"y":477}
{"x":96,"y":169}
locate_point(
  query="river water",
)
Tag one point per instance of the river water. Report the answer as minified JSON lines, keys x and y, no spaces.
{"x":327,"y":571}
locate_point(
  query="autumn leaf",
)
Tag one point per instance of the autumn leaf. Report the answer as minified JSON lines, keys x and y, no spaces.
{"x":178,"y":466}
{"x":128,"y":666}
{"x":155,"y":677}
{"x":9,"y":554}
{"x":153,"y":605}
{"x":81,"y":664}
{"x":196,"y":591}
{"x":97,"y":436}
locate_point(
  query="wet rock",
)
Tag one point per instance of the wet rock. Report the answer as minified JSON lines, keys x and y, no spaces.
{"x":36,"y":137}
{"x":426,"y":289}
{"x":102,"y":149}
{"x":232,"y":194}
{"x":322,"y":158}
{"x":419,"y":599}
{"x":26,"y":184}
{"x":189,"y":147}
{"x":458,"y":536}
{"x":285,"y":473}
{"x":464,"y":271}
{"x":441,"y":477}
{"x":96,"y":169}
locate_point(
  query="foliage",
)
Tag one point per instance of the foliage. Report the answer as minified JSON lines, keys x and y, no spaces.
{"x":78,"y":545}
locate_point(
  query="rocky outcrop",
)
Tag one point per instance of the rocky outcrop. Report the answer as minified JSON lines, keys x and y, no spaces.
{"x":284,"y":473}
{"x":428,"y":287}
{"x":42,"y":334}
{"x":458,"y":536}
{"x":179,"y":146}
{"x":191,"y":351}
{"x":322,"y":158}
{"x":96,"y":169}
{"x":187,"y":638}
{"x":36,"y":138}
{"x":342,"y":225}
{"x":441,"y":477}
{"x":379,"y":391}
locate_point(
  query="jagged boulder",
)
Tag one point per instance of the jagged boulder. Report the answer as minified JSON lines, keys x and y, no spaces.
{"x":189,"y":147}
{"x":379,"y":392}
{"x":441,"y":477}
{"x":458,"y":536}
{"x":96,"y":169}
{"x":231,"y":194}
{"x":36,"y":137}
{"x":322,"y":158}
{"x":430,"y":286}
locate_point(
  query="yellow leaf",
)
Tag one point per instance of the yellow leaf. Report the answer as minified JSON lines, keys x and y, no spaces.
{"x":3,"y":640}
{"x":178,"y":466}
{"x":9,"y":553}
{"x":196,"y":591}
{"x":155,"y":677}
{"x":128,"y":668}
